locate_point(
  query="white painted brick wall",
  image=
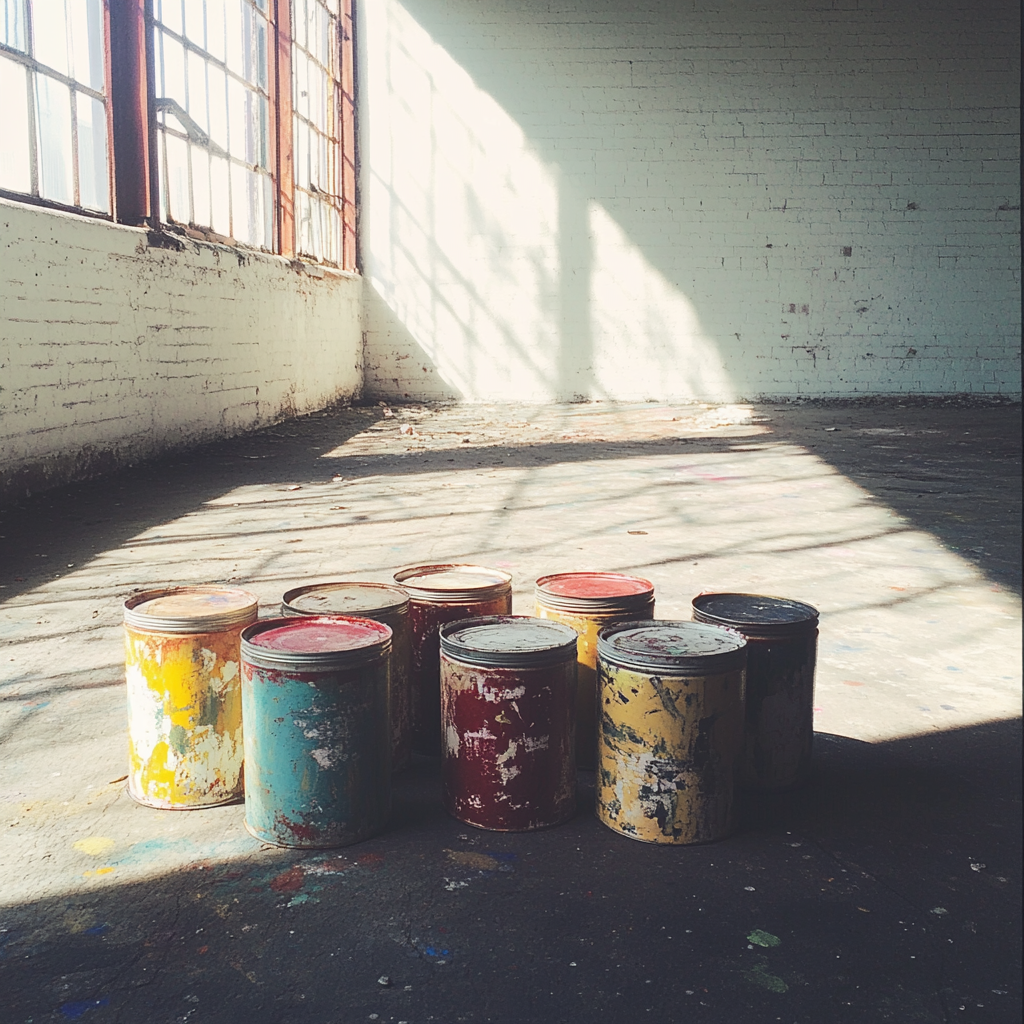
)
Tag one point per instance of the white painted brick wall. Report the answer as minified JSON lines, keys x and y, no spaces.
{"x":613,"y":200}
{"x":111,"y":351}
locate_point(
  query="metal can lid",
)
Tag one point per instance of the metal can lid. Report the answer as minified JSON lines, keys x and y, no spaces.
{"x":672,"y":647}
{"x":453,"y":582}
{"x":202,"y":609}
{"x":594,"y":591}
{"x":310,"y":642}
{"x":756,"y":615}
{"x":364,"y":599}
{"x":508,"y":641}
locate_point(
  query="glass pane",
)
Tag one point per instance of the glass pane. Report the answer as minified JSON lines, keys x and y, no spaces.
{"x":49,"y":31}
{"x":234,"y":36}
{"x":267,"y":211}
{"x":215,"y":28}
{"x":261,"y":53}
{"x":237,"y":119}
{"x":178,"y":206}
{"x":197,"y":91}
{"x":220,"y":198}
{"x":195,"y":22}
{"x":173,"y":85}
{"x":15,"y":160}
{"x":218,"y":106}
{"x":169,"y":13}
{"x":300,"y":160}
{"x":241,"y":226}
{"x":200,"y":186}
{"x":299,"y":23}
{"x":53,"y":137}
{"x":87,"y":42}
{"x":12,"y":24}
{"x":92,"y":154}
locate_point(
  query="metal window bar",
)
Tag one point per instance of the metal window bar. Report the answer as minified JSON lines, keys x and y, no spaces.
{"x":19,"y":44}
{"x":211,"y":76}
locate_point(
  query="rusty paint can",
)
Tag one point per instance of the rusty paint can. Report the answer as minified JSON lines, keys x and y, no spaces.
{"x":670,"y":732}
{"x":317,"y":733}
{"x":589,"y":601}
{"x":382,"y":603}
{"x":438,"y":594}
{"x":184,"y":695}
{"x":508,"y":697}
{"x":782,"y":648}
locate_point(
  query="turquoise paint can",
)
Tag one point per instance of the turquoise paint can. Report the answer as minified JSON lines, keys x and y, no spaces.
{"x":316,"y":730}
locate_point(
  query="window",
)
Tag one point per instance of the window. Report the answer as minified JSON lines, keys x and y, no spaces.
{"x":229,"y":118}
{"x":54,"y":110}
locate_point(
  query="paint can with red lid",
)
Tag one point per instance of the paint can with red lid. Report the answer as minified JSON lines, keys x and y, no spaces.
{"x":317,"y":734}
{"x":508,"y":697}
{"x":445,"y":592}
{"x":782,"y":645}
{"x":589,"y":601}
{"x":184,"y":695}
{"x":382,"y":603}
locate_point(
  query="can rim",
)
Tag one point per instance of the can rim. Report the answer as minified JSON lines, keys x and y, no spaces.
{"x":766,"y":630}
{"x":399,"y":605}
{"x":622,"y":603}
{"x":564,"y":650}
{"x":301,"y":661}
{"x":675,"y":664}
{"x":502,"y":584}
{"x":211,"y":623}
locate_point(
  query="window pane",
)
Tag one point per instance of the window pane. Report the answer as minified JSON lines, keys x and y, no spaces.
{"x":197,"y":91}
{"x":15,"y":158}
{"x":178,"y":206}
{"x":200,"y":186}
{"x":220,"y":198}
{"x":241,"y":228}
{"x":237,"y":119}
{"x":53,"y":128}
{"x":218,"y":100}
{"x":12,"y":24}
{"x":87,"y":42}
{"x":195,"y":23}
{"x":49,"y":31}
{"x":92,"y":154}
{"x":169,"y":13}
{"x":234,"y":37}
{"x":215,"y":28}
{"x":173,"y":85}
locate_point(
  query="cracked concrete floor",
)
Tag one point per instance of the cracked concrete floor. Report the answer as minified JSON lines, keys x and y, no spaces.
{"x":888,"y":889}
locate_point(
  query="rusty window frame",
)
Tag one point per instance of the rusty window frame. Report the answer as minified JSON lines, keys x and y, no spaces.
{"x":34,"y":69}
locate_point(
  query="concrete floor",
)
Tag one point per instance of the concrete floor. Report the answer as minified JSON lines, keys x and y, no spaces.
{"x":887,"y":890}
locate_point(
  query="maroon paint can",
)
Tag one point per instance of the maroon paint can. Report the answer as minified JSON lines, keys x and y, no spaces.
{"x":508,"y":700}
{"x":382,"y":603}
{"x":439,"y":594}
{"x":782,"y":647}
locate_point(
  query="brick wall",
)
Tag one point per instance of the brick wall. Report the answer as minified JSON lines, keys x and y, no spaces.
{"x":111,"y":350}
{"x":598,"y":199}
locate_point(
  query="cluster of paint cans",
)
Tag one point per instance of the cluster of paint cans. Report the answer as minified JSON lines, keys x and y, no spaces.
{"x":323,"y":703}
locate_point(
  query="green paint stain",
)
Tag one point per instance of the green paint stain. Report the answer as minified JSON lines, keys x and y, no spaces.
{"x":178,"y":739}
{"x":760,"y":938}
{"x":772,"y":982}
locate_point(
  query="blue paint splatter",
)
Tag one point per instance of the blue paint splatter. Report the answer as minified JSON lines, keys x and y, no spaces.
{"x":97,"y":929}
{"x":434,"y":951}
{"x":75,"y":1010}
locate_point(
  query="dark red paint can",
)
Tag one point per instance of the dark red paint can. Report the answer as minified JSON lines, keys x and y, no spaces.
{"x":508,"y":699}
{"x":782,"y":647}
{"x":438,"y":594}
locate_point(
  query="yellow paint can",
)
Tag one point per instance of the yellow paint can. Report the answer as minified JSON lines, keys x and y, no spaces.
{"x":184,"y":695}
{"x":670,"y":729}
{"x":589,"y":601}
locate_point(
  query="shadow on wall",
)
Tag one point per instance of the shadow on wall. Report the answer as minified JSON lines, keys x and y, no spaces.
{"x":603,"y":203}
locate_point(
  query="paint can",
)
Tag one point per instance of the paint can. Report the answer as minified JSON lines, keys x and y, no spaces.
{"x":382,"y":603}
{"x":782,"y":648}
{"x":317,"y":734}
{"x":184,"y":695}
{"x":670,"y":731}
{"x":589,"y":601}
{"x":439,"y":594}
{"x":508,"y":696}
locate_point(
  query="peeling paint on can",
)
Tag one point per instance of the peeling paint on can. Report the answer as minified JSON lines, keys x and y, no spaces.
{"x":508,"y":695}
{"x":438,"y":594}
{"x":670,"y":731}
{"x":382,"y":603}
{"x":589,"y":601}
{"x":184,"y":700}
{"x":317,"y":733}
{"x":782,"y":647}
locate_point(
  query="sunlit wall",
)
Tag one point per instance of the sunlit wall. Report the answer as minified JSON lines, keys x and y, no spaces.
{"x":590,"y":199}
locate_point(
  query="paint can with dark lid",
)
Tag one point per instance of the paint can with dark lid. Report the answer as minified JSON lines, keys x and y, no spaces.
{"x":670,"y":730}
{"x":782,"y":637}
{"x":440,"y":593}
{"x":589,"y":601}
{"x":508,"y":696}
{"x":317,"y":734}
{"x":382,"y":603}
{"x":184,"y":695}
